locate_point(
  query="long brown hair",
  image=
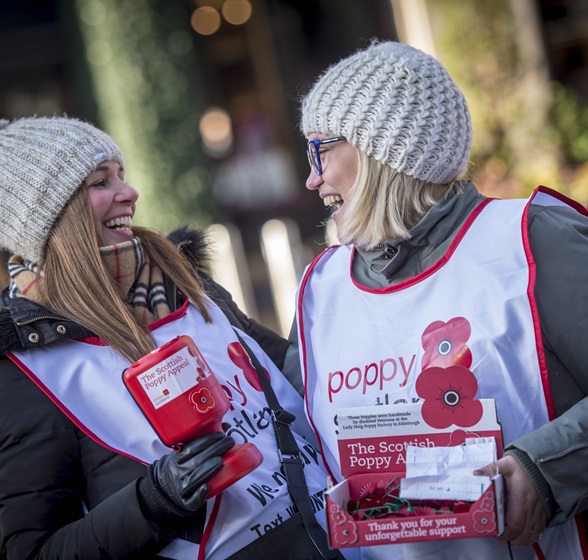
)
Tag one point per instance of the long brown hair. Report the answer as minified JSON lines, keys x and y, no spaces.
{"x":78,"y":286}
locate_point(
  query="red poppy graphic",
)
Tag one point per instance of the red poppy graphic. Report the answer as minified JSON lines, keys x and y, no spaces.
{"x":202,"y":400}
{"x":337,"y":515}
{"x":345,"y":533}
{"x":487,"y":503}
{"x":458,"y":437}
{"x":445,"y":344}
{"x":448,"y":395}
{"x":241,"y":359}
{"x":484,"y":521}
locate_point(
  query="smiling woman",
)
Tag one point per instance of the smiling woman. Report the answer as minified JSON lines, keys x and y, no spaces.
{"x":437,"y":294}
{"x":90,"y":294}
{"x":112,"y":202}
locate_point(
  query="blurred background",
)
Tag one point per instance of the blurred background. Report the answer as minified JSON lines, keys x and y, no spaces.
{"x":203,"y":98}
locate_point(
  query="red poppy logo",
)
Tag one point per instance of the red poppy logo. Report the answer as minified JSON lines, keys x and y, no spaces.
{"x":202,"y":400}
{"x":337,"y":514}
{"x":484,"y":522}
{"x":346,"y":533}
{"x":448,"y":395}
{"x":487,"y":503}
{"x":445,"y":344}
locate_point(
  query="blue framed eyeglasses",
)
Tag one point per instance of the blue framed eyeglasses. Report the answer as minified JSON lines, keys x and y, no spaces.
{"x":314,"y":154}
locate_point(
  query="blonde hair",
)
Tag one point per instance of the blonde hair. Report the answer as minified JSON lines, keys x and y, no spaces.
{"x":78,"y":286}
{"x":384,"y":204}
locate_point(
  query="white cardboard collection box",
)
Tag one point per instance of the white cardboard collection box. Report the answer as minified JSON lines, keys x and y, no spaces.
{"x":388,"y":452}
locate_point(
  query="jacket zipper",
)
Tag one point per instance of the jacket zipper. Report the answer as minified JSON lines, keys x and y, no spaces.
{"x":43,"y":318}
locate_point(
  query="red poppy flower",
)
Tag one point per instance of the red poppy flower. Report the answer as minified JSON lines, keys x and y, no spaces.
{"x":345,"y":533}
{"x":484,"y":522}
{"x":445,"y":344}
{"x":374,"y":490}
{"x":448,"y":395}
{"x":202,"y":400}
{"x":461,"y":507}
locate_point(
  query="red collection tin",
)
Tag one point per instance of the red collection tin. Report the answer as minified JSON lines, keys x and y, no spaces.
{"x":182,"y":399}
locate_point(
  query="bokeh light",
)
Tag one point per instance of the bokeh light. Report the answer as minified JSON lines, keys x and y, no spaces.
{"x":237,"y":12}
{"x":93,"y":13}
{"x":216,"y":131}
{"x":99,"y":53}
{"x":205,"y":20}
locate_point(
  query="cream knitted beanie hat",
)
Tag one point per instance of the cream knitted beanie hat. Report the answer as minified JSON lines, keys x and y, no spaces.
{"x":398,"y":105}
{"x":43,"y":162}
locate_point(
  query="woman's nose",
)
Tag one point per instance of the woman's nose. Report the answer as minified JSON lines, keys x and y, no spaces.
{"x":314,"y":180}
{"x":126,"y":193}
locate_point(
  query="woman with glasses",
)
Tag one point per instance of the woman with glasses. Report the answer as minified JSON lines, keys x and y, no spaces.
{"x":433,"y":275}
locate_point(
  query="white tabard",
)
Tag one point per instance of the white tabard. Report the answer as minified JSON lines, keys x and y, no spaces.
{"x":363,"y":346}
{"x":84,"y":378}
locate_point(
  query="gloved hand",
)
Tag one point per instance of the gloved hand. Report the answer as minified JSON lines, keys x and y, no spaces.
{"x":182,"y":475}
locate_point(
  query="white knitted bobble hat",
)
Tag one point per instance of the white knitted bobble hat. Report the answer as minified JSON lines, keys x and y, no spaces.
{"x":43,"y":162}
{"x":398,"y":105}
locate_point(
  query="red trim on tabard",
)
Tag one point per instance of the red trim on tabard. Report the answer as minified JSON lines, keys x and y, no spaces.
{"x":209,"y":526}
{"x":533,"y":305}
{"x":433,"y":268}
{"x":569,"y":201}
{"x":178,"y":313}
{"x":538,"y":552}
{"x":582,"y":535}
{"x":303,"y":284}
{"x":57,"y":402}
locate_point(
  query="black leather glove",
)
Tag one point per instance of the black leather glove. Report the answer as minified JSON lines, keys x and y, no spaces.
{"x":182,"y":475}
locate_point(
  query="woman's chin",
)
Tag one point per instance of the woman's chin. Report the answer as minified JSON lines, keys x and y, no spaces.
{"x":336,"y":213}
{"x":115,"y":236}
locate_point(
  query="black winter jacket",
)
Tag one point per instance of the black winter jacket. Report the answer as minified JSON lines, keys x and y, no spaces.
{"x":42,"y":451}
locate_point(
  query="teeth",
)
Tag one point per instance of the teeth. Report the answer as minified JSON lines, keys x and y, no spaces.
{"x":332,"y":200}
{"x":124,"y":222}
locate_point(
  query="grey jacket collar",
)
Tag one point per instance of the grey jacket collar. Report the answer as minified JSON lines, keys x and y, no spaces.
{"x":401,"y":259}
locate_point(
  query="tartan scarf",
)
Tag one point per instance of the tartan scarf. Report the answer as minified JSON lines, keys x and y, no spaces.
{"x":140,"y":282}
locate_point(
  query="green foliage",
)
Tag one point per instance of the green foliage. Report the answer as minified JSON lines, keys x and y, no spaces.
{"x":570,"y":118}
{"x":527,"y":131}
{"x":148,"y":88}
{"x":474,"y":41}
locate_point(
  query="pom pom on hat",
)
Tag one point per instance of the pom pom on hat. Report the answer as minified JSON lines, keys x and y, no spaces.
{"x":43,"y":163}
{"x":398,"y":105}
